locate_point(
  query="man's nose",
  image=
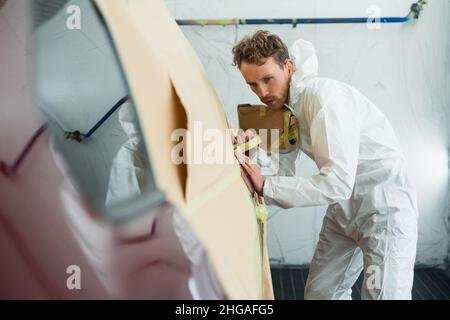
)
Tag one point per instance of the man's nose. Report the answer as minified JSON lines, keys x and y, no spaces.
{"x":263,"y":92}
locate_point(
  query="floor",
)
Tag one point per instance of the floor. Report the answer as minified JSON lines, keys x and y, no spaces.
{"x":429,"y":284}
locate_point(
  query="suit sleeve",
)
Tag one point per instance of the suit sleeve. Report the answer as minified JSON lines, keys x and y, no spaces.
{"x":335,"y":137}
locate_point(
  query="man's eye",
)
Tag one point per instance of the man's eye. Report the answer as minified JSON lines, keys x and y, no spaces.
{"x":267,"y":79}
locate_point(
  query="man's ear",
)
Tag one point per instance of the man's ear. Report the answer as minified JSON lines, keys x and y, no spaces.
{"x":290,"y":65}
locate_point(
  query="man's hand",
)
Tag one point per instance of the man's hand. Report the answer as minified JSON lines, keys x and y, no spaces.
{"x":247,"y":180}
{"x":252,"y":171}
{"x":244,"y":137}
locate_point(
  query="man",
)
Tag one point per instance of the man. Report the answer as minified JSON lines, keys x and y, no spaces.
{"x":371,"y":220}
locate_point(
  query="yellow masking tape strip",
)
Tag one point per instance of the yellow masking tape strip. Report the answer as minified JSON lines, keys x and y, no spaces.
{"x":253,"y":143}
{"x":261,"y":215}
{"x":293,"y":134}
{"x":259,"y":261}
{"x":287,"y":117}
{"x":259,"y":234}
{"x":262,"y":111}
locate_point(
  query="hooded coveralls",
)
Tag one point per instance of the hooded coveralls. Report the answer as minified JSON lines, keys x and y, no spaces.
{"x":371,"y":220}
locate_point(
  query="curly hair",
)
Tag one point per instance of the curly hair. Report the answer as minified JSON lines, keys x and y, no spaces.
{"x":258,"y":47}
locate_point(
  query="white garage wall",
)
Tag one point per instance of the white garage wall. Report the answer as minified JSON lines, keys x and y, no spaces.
{"x":403,"y":68}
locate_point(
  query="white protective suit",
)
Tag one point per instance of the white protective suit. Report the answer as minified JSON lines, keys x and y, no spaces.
{"x":128,"y":180}
{"x":371,"y":220}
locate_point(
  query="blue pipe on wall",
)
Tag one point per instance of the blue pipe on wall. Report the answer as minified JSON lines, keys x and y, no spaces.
{"x":225,"y":22}
{"x":414,"y":12}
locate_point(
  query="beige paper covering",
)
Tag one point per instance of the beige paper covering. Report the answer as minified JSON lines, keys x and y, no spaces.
{"x":171,"y":90}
